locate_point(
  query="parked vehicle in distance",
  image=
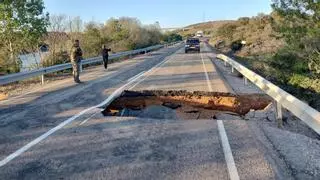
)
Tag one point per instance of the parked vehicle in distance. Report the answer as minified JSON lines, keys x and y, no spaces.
{"x":199,"y":34}
{"x":192,"y":44}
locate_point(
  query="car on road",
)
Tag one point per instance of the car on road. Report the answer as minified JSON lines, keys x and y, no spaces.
{"x":192,"y":44}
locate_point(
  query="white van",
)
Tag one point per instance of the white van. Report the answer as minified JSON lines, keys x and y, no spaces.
{"x":199,"y":34}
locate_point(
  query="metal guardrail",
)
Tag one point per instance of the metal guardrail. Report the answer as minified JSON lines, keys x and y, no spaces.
{"x":300,"y":109}
{"x":42,"y":71}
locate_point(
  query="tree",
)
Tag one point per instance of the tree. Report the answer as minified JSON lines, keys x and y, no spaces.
{"x":154,"y":33}
{"x":299,"y":23}
{"x":128,"y":33}
{"x":56,"y":38}
{"x":172,"y":37}
{"x":74,"y":25}
{"x":22,"y":25}
{"x":93,"y":41}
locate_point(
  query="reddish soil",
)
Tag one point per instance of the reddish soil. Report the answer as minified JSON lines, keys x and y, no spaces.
{"x":3,"y":96}
{"x":194,"y":105}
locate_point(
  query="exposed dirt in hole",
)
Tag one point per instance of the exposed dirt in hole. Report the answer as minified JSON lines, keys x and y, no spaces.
{"x":183,"y":104}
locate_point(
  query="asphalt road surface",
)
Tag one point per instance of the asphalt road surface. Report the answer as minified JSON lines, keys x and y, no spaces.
{"x":58,"y":132}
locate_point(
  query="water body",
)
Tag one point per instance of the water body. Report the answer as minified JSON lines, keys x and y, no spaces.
{"x":31,"y":61}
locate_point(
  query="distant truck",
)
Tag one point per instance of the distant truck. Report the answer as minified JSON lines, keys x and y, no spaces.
{"x":199,"y":34}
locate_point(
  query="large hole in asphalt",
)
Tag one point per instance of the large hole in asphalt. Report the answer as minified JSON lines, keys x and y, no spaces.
{"x":183,"y":104}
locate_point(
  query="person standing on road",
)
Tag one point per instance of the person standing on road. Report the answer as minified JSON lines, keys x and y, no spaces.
{"x":76,"y":57}
{"x":105,"y":56}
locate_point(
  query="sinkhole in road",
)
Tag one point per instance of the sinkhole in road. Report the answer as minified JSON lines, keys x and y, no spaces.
{"x":183,"y":105}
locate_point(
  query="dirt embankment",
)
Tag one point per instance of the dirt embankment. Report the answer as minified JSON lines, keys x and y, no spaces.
{"x":189,"y":102}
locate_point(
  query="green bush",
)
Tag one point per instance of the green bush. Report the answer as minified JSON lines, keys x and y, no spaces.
{"x":171,"y":37}
{"x":283,"y":60}
{"x":8,"y":66}
{"x":54,"y":59}
{"x":289,"y":62}
{"x":305,"y":82}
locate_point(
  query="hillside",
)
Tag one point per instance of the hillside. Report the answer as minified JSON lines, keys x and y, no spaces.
{"x":268,"y":52}
{"x":208,"y":28}
{"x":256,"y":31}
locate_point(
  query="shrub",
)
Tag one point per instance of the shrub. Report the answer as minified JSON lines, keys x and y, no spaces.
{"x":227,"y":30}
{"x":236,"y":45}
{"x":284,"y":60}
{"x":289,"y":62}
{"x":171,"y":37}
{"x":305,"y":82}
{"x":54,"y":59}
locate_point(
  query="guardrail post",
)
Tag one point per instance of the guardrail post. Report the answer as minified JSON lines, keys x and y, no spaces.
{"x":225,"y":64}
{"x":232,"y":69}
{"x":245,"y":80}
{"x":279,"y":115}
{"x":42,"y":79}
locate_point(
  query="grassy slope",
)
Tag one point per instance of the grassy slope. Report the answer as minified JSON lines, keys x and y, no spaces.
{"x":209,"y":28}
{"x":257,"y":55}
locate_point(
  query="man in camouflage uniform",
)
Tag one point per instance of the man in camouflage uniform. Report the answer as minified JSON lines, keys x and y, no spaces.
{"x":76,"y":57}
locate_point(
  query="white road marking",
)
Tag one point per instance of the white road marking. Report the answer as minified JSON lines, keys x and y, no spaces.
{"x":58,"y":83}
{"x":233,"y":172}
{"x":150,"y":72}
{"x":135,"y":76}
{"x":123,"y":111}
{"x":64,"y":123}
{"x":42,"y":137}
{"x":206,"y":73}
{"x":88,"y":118}
{"x":232,"y":169}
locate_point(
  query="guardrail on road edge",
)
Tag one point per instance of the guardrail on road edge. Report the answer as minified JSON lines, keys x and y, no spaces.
{"x":42,"y":71}
{"x":300,"y":109}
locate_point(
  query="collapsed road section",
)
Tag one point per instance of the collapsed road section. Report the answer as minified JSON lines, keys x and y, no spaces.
{"x":183,"y":104}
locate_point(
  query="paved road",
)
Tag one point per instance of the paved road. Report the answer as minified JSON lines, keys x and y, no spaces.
{"x":191,"y":72}
{"x":90,"y":146}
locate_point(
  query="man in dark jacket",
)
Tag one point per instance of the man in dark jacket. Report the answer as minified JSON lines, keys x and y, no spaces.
{"x":105,"y":56}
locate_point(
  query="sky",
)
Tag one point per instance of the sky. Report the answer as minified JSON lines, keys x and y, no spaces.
{"x":169,"y":13}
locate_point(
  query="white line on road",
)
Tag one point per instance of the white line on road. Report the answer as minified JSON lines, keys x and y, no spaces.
{"x":64,"y":123}
{"x":206,"y":73}
{"x":42,"y":137}
{"x":88,"y":118}
{"x":233,"y":173}
{"x":123,"y":111}
{"x":111,"y":75}
{"x":151,"y":71}
{"x":136,"y":76}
